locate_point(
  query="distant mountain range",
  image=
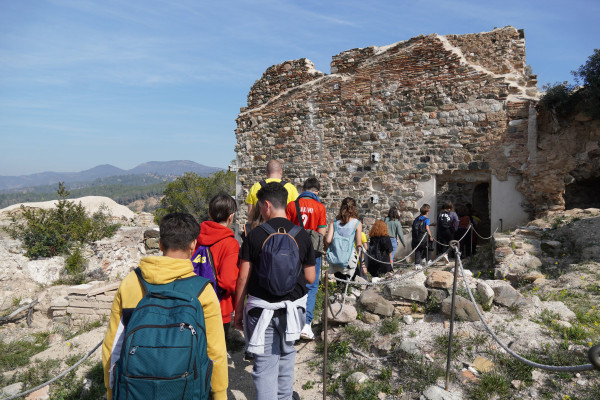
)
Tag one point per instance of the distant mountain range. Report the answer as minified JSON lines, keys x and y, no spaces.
{"x":168,"y":169}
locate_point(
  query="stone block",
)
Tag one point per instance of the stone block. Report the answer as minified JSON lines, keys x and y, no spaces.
{"x":440,"y":279}
{"x":464,"y":309}
{"x":375,"y":303}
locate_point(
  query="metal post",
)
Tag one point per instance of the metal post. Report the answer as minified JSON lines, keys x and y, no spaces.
{"x":594,"y":356}
{"x":325,"y":308}
{"x":501,"y":228}
{"x":453,"y":244}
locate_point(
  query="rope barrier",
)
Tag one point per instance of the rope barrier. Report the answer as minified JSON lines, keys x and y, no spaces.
{"x":447,"y":245}
{"x":361,"y":249}
{"x":16,"y":396}
{"x":575,"y":368}
{"x":485,"y":238}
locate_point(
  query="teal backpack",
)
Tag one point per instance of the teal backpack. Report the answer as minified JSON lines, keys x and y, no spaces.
{"x":164,"y":347}
{"x":341,"y":248}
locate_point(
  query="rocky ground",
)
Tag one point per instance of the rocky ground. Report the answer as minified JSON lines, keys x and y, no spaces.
{"x":537,"y":287}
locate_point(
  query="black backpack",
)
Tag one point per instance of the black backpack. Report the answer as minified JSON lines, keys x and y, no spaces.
{"x":418,"y":230}
{"x":279,"y":260}
{"x":445,"y":221}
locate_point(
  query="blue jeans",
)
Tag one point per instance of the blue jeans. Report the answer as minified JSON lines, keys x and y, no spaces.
{"x":313,"y":288}
{"x":273,"y":372}
{"x":394,"y":246}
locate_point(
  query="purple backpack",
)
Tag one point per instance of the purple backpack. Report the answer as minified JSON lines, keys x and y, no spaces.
{"x":204,"y":266}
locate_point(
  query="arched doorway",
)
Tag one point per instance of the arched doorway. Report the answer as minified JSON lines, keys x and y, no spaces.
{"x":583,"y":194}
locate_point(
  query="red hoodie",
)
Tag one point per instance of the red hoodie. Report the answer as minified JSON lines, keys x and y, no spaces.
{"x":225,"y":250}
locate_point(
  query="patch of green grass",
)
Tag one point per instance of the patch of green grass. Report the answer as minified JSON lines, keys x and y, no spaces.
{"x":16,"y":354}
{"x":359,"y":336}
{"x":418,"y":374}
{"x":308,"y":385}
{"x":490,"y":384}
{"x":389,"y":326}
{"x":440,"y":344}
{"x":336,"y":350}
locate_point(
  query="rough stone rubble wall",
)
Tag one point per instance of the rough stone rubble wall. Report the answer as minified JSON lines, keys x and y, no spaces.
{"x":427,"y":106}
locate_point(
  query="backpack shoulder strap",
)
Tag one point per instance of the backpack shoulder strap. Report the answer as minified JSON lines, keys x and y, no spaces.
{"x":192,"y":286}
{"x":295,"y":230}
{"x":283,"y":183}
{"x":355,"y":226}
{"x":268,"y":228}
{"x":143,"y":284}
{"x":262,"y":183}
{"x":298,"y":214}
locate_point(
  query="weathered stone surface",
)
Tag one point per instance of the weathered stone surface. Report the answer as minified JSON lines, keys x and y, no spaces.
{"x":440,"y":279}
{"x":40,"y":394}
{"x":383,"y":344}
{"x":464,"y":310}
{"x":45,"y":271}
{"x":375,"y":303}
{"x":410,"y":291}
{"x":482,"y":364}
{"x":505,"y":295}
{"x":358,"y":377}
{"x":559,"y":308}
{"x":12,"y":390}
{"x":409,"y":347}
{"x":437,"y":393}
{"x":336,"y":313}
{"x":486,"y":293}
{"x":551,"y":246}
{"x":438,"y":294}
{"x":370,"y":318}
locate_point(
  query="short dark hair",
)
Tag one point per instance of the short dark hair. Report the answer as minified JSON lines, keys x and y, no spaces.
{"x":178,"y":231}
{"x":311,"y":184}
{"x":221,"y":207}
{"x":275,"y":193}
{"x":448,"y":206}
{"x":424,"y":209}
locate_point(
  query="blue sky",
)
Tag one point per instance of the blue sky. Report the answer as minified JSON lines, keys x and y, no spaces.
{"x":84,"y":83}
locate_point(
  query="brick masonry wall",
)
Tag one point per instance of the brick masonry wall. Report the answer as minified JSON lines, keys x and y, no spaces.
{"x":417,"y":103}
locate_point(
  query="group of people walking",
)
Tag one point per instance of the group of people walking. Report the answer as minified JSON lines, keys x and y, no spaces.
{"x":269,"y":284}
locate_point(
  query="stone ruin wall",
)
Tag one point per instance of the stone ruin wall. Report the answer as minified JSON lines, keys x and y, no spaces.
{"x":433,"y":106}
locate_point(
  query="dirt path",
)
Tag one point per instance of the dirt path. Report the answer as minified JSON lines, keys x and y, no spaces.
{"x":240,"y":378}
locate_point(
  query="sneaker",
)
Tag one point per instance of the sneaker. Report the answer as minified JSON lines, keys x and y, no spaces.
{"x":446,"y":258}
{"x":295,"y":396}
{"x":429,"y":262}
{"x":307,"y":333}
{"x":418,"y":267}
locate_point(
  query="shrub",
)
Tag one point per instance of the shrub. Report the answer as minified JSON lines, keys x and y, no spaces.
{"x":47,"y":233}
{"x":191,"y":193}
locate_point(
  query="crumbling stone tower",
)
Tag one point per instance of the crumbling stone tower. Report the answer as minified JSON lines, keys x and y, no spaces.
{"x":419,"y":121}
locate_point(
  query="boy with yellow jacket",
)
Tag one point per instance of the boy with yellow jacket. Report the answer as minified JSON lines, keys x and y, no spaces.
{"x":178,"y":233}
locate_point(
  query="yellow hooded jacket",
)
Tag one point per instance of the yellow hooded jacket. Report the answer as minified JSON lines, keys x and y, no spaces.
{"x":161,"y":270}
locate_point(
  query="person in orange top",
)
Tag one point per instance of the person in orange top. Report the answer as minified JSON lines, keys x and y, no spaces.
{"x":218,"y":236}
{"x":314,"y":216}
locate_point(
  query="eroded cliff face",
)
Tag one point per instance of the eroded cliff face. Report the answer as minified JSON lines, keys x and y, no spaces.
{"x":430,"y":118}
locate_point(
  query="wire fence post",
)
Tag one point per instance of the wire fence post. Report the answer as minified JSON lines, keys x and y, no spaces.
{"x":325,"y":308}
{"x":594,"y":356}
{"x":454,"y":245}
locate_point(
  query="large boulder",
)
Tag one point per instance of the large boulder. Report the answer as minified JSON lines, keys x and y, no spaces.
{"x":440,"y":279}
{"x":45,"y":271}
{"x":464,"y":310}
{"x":409,"y":290}
{"x":505,"y":295}
{"x":375,"y":303}
{"x":337,"y":312}
{"x":486,"y":293}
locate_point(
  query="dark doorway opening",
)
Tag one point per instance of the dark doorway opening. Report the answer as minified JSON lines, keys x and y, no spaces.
{"x":481,"y":208}
{"x":583,"y":194}
{"x":464,"y":188}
